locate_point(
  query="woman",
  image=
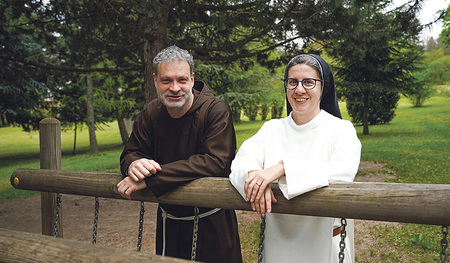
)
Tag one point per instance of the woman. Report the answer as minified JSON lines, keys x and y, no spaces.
{"x":302,"y":152}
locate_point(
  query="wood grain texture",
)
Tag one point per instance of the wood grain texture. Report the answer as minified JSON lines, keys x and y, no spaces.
{"x":394,"y":202}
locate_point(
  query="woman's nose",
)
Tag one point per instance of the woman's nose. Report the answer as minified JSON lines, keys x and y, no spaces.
{"x":300,"y":88}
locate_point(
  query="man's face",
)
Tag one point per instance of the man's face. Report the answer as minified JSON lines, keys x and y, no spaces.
{"x":174,"y":87}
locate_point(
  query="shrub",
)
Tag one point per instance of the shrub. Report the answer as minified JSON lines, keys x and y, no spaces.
{"x":382,"y":106}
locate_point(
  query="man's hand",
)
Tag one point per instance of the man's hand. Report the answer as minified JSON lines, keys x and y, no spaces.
{"x":127,"y":186}
{"x":142,"y":168}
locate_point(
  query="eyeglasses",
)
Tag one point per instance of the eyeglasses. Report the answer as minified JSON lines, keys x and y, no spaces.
{"x":308,"y":83}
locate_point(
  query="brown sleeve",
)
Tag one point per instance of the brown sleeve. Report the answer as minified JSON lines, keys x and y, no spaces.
{"x":139,"y":144}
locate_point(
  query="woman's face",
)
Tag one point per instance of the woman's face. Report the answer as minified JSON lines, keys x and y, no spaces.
{"x":305,"y":103}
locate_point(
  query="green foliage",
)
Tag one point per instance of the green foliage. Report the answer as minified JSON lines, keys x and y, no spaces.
{"x":377,"y":52}
{"x":439,"y":70}
{"x":249,"y":93}
{"x":422,"y":91}
{"x":382,"y":105}
{"x":433,"y":69}
{"x":70,"y":102}
{"x":444,"y":36}
{"x":22,"y":88}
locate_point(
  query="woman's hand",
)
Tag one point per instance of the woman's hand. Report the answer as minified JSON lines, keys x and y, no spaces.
{"x":256,"y":184}
{"x":264,"y":204}
{"x":257,"y":181}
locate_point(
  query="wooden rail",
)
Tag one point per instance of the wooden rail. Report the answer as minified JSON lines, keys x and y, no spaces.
{"x":25,"y":247}
{"x":394,"y":202}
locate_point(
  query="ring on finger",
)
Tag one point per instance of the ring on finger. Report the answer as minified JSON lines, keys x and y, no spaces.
{"x":258,"y":183}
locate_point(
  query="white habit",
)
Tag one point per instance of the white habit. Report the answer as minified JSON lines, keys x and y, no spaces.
{"x":324,"y":150}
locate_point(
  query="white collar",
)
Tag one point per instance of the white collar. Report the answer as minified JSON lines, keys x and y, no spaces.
{"x":316,"y":121}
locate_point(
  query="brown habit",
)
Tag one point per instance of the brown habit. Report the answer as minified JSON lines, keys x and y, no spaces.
{"x":201,"y":143}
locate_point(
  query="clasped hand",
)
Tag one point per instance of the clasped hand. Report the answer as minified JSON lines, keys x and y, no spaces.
{"x":137,"y":172}
{"x":257,"y":188}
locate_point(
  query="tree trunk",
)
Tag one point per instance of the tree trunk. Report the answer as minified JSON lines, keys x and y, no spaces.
{"x":366,"y":113}
{"x":74,"y":139}
{"x":122,"y":127}
{"x":91,"y":123}
{"x":153,"y":44}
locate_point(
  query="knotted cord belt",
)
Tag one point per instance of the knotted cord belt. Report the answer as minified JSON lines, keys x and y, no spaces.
{"x":166,"y":215}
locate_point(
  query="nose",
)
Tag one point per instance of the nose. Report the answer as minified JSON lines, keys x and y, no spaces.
{"x":300,"y":88}
{"x":175,"y":87}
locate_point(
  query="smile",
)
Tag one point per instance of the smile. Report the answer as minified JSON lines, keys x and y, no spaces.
{"x":175,"y":97}
{"x":300,"y":99}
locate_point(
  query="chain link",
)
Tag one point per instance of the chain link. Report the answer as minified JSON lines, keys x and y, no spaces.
{"x":342,"y":242}
{"x":261,"y":239}
{"x":58,"y":207}
{"x":444,"y":244}
{"x":141,"y":226}
{"x":195,"y":234}
{"x":94,"y":231}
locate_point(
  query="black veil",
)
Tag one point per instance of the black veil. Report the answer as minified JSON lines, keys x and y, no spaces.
{"x":328,"y":102}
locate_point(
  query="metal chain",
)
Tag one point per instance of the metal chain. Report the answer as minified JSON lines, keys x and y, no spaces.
{"x":261,"y":239}
{"x":94,"y":231}
{"x":195,"y":234}
{"x":444,"y":244}
{"x":58,"y":207}
{"x":342,"y":242}
{"x":141,"y":226}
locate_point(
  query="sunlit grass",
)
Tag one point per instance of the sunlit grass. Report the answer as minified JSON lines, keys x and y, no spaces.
{"x":415,"y":144}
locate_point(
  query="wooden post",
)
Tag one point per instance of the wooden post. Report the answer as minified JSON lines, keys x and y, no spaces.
{"x":50,"y":152}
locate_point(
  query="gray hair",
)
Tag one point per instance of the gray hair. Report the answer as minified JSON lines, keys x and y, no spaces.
{"x":171,"y":54}
{"x":307,"y":60}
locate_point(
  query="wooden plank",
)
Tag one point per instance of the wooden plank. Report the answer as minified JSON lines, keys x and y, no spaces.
{"x":50,"y":158}
{"x":394,"y":202}
{"x":25,"y":247}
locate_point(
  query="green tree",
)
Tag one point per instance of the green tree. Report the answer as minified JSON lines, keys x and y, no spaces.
{"x":423,"y":90}
{"x":70,"y":106}
{"x":373,"y":52}
{"x":78,"y":34}
{"x":439,"y":70}
{"x":23,"y":91}
{"x":444,"y":36}
{"x":111,"y":99}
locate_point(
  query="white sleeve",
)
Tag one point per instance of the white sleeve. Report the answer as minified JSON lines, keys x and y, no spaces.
{"x":249,"y":157}
{"x":302,"y":176}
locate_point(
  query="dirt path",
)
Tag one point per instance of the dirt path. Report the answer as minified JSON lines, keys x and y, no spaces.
{"x":119,"y":219}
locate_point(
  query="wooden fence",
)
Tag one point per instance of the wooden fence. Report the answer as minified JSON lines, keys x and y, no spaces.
{"x":394,"y":202}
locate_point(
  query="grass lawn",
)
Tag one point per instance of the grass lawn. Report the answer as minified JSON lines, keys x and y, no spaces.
{"x":415,"y":145}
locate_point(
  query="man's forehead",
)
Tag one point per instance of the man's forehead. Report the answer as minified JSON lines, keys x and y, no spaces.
{"x":174,"y":67}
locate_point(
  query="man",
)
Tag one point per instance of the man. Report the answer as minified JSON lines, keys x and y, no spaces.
{"x":183,"y":135}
